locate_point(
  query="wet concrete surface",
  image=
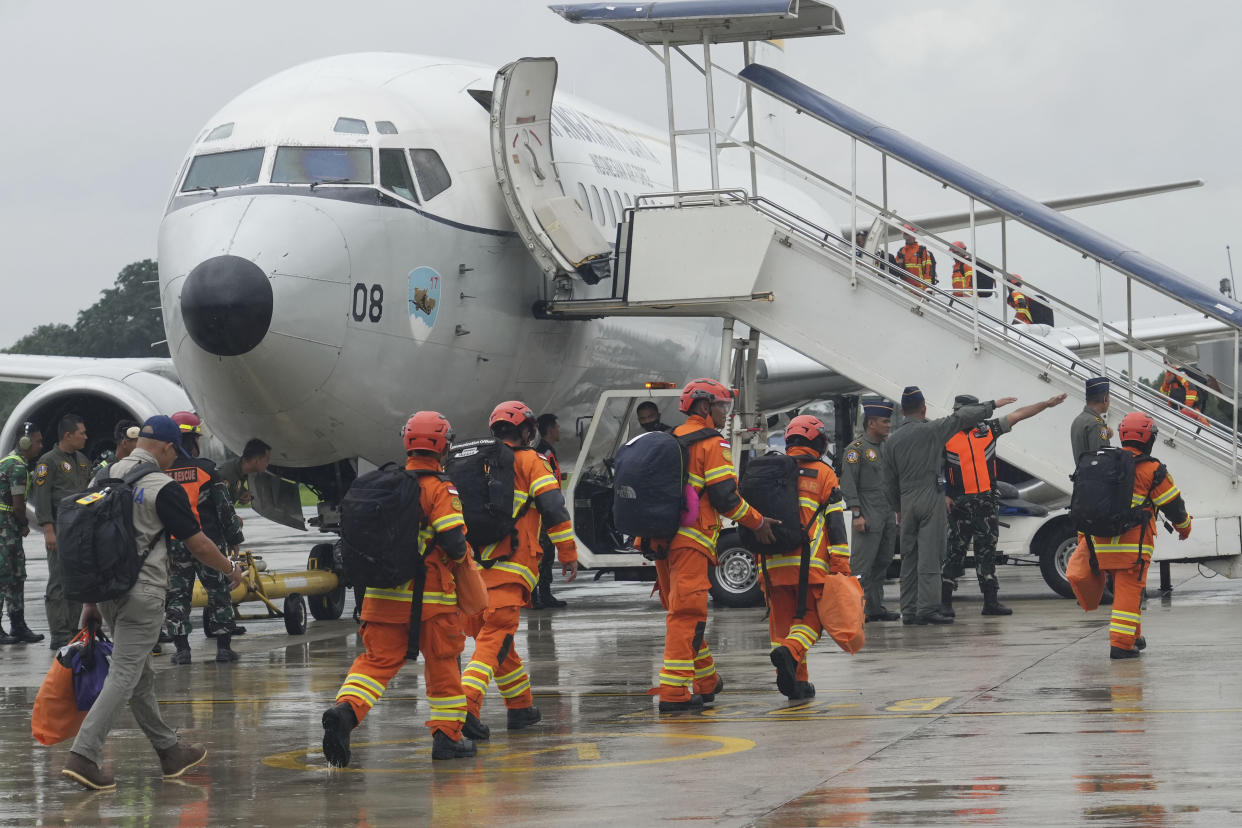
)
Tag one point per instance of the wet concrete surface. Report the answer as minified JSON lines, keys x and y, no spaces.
{"x":993,"y":721}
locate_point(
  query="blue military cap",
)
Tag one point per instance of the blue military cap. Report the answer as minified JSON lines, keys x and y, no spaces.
{"x":877,"y":407}
{"x":1097,"y":385}
{"x":911,"y":397}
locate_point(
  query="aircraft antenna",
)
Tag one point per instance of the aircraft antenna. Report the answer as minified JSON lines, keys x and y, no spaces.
{"x":1232,"y":284}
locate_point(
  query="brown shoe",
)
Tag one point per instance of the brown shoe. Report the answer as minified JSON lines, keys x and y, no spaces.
{"x":87,"y":774}
{"x":179,"y":758}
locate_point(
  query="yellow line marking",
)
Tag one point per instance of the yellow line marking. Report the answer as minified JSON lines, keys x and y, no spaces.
{"x":805,"y":717}
{"x":295,"y":759}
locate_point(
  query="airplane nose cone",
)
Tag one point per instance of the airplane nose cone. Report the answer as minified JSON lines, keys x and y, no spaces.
{"x":227,"y":305}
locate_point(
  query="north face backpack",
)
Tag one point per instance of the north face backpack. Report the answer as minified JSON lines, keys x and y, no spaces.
{"x":649,"y":483}
{"x":381,"y":516}
{"x":770,"y":484}
{"x":483,"y":472}
{"x":95,"y":537}
{"x":1100,"y":504}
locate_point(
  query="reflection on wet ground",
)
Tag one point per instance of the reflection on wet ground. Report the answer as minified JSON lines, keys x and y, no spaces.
{"x":993,"y":721}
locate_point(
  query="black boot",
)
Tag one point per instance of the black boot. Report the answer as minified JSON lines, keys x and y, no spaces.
{"x":786,"y":670}
{"x":475,"y":729}
{"x":223,"y":653}
{"x":690,"y":704}
{"x":933,"y":617}
{"x":182,"y":656}
{"x":803,"y":690}
{"x":523,"y":717}
{"x":5,"y":638}
{"x":442,"y":747}
{"x":1117,"y":652}
{"x":20,"y":631}
{"x":946,"y":598}
{"x":339,"y":722}
{"x":991,"y":605}
{"x":708,"y":698}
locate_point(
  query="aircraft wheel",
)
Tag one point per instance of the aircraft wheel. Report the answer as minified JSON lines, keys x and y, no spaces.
{"x":295,"y":614}
{"x":330,"y":605}
{"x":1053,"y":561}
{"x":735,"y":578}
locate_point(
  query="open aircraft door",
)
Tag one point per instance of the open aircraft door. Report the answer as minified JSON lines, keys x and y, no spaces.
{"x":555,"y":227}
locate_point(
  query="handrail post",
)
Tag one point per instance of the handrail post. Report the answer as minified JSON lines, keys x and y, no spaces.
{"x":711,"y":114}
{"x":750,"y":122}
{"x":854,"y":211}
{"x":1237,"y":357}
{"x":726,"y":351}
{"x":1099,"y":301}
{"x":974,"y":279}
{"x":672,"y":123}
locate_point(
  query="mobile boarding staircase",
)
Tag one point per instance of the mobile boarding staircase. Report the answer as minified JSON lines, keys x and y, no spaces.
{"x":734,"y":254}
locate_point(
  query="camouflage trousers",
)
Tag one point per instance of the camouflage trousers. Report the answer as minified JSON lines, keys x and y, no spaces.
{"x":12,"y":568}
{"x":182,"y":569}
{"x":973,"y":517}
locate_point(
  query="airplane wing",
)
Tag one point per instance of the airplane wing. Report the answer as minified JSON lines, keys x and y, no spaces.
{"x":945,"y":222}
{"x":35,"y":369}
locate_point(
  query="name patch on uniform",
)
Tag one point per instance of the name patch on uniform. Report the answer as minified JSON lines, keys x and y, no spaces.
{"x":851,"y":456}
{"x":185,"y":475}
{"x":871,"y":455}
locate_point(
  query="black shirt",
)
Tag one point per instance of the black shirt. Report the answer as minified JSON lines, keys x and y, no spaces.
{"x":173,"y":508}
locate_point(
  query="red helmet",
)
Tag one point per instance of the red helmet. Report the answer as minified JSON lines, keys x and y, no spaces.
{"x":1137,"y":427}
{"x":909,"y":228}
{"x":513,"y":411}
{"x":1015,"y":279}
{"x":188,"y":422}
{"x":804,"y":425}
{"x":960,"y":246}
{"x":704,"y":389}
{"x":427,"y":431}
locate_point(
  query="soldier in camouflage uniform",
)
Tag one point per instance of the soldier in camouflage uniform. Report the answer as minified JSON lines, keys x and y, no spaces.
{"x":209,"y":497}
{"x":973,"y":503}
{"x":14,"y":525}
{"x":125,"y":433}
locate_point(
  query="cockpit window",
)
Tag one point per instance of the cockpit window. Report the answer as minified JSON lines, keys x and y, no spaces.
{"x":352,"y":126}
{"x":222,"y":131}
{"x":385,"y":127}
{"x":395,"y":174}
{"x":433,"y":176}
{"x":322,"y":165}
{"x":223,"y":169}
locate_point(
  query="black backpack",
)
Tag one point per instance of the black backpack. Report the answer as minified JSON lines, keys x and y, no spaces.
{"x":770,"y":484}
{"x":649,"y":484}
{"x":1040,"y":310}
{"x":96,"y":541}
{"x":381,"y":516}
{"x":483,"y":472}
{"x":1100,"y":504}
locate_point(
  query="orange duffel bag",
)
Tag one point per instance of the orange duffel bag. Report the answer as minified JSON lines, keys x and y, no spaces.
{"x":56,"y":716}
{"x":471,"y":591}
{"x":841,"y":611}
{"x":1088,"y":586}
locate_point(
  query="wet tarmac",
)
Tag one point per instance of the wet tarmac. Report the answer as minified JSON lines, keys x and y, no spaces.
{"x":992,"y":721}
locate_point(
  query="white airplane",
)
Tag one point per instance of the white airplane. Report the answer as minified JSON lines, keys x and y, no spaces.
{"x":336,"y":254}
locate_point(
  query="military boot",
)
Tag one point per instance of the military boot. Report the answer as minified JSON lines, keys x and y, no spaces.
{"x":224,"y":654}
{"x":182,"y":656}
{"x":946,"y":598}
{"x":786,"y":670}
{"x":690,"y":704}
{"x":442,"y":747}
{"x":803,"y":690}
{"x":339,"y":722}
{"x":708,"y":698}
{"x":5,"y":638}
{"x":991,"y":605}
{"x":1118,"y":652}
{"x":20,"y":631}
{"x":475,"y":730}
{"x":933,"y":617}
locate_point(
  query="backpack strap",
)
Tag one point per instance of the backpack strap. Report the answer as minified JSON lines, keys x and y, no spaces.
{"x":804,"y":563}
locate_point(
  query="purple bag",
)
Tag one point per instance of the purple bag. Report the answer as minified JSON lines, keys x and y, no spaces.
{"x":89,"y":663}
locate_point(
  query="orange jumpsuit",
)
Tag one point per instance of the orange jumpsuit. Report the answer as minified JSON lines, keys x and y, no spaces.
{"x":1184,"y":392}
{"x":682,"y":577}
{"x":1127,"y":559}
{"x":1021,"y":308}
{"x":386,"y":617}
{"x":510,"y":575}
{"x":963,"y":279}
{"x":830,"y":553}
{"x":919,"y":265}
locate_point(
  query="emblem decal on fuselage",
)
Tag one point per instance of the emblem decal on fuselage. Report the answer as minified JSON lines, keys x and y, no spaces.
{"x":424,"y":300}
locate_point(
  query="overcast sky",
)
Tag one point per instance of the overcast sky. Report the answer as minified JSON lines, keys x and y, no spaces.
{"x":101,"y":100}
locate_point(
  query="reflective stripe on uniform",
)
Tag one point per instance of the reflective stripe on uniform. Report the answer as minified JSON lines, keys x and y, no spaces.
{"x":526,"y":573}
{"x":403,"y":595}
{"x":362,"y":687}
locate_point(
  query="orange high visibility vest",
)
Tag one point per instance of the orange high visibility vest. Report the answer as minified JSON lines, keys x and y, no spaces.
{"x":917,"y":262}
{"x":963,"y":278}
{"x":1021,"y":310}
{"x":971,"y":459}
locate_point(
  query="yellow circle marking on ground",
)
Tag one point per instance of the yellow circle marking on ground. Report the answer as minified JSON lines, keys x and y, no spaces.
{"x":295,"y":759}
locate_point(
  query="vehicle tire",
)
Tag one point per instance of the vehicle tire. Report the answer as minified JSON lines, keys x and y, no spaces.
{"x":295,"y":614}
{"x":1055,"y":558}
{"x":330,"y":605}
{"x":735,"y":578}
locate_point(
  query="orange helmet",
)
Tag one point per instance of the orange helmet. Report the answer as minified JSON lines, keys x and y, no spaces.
{"x":1015,"y":279}
{"x":1137,"y":427}
{"x":804,"y":425}
{"x":909,"y":228}
{"x":427,"y":431}
{"x":960,"y":246}
{"x":188,"y":422}
{"x":704,"y":389}
{"x":513,"y":411}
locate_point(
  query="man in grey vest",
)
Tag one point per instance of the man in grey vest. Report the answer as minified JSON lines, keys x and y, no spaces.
{"x":1090,"y":431}
{"x":912,"y":460}
{"x":874,"y":537}
{"x":134,"y":620}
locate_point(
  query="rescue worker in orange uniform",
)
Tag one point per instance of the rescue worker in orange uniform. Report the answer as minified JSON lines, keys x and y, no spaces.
{"x":917,"y":261}
{"x":511,"y":573}
{"x":1128,"y":555}
{"x":963,"y":272}
{"x":823,"y":515}
{"x":688,"y":678}
{"x":1182,"y":393}
{"x":1017,"y":300}
{"x":386,"y":613}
